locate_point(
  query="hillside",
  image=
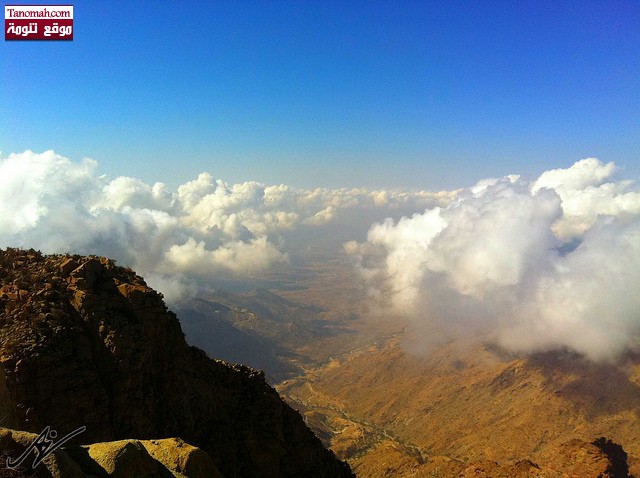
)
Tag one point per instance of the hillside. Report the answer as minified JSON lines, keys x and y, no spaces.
{"x":391,"y":413}
{"x":84,"y":342}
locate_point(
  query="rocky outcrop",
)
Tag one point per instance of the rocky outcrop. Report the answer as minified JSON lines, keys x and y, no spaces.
{"x":84,"y":342}
{"x":602,"y":458}
{"x":13,"y":444}
{"x":182,"y":458}
{"x":165,"y":458}
{"x":618,"y":466}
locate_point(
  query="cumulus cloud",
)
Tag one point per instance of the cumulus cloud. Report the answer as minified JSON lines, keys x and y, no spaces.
{"x":179,"y":240}
{"x":587,"y":194}
{"x":533,"y":266}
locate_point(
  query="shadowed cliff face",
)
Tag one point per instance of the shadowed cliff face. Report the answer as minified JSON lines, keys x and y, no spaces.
{"x":86,"y":343}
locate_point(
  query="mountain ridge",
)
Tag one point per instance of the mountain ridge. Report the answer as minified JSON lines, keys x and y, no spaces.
{"x":87,"y":343}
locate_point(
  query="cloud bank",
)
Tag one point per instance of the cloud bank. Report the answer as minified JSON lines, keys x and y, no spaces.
{"x":554,"y":263}
{"x":537,"y":265}
{"x":179,"y":240}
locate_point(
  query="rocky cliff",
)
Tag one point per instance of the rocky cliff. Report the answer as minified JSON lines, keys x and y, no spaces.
{"x":84,"y":342}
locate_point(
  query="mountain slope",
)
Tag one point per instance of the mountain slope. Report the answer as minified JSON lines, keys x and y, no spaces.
{"x":86,"y":343}
{"x":469,"y":404}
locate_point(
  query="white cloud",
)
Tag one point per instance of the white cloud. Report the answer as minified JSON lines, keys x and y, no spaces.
{"x":180,"y":240}
{"x":586,"y":196}
{"x":123,"y":191}
{"x":236,"y":256}
{"x":552,"y":264}
{"x":33,"y":185}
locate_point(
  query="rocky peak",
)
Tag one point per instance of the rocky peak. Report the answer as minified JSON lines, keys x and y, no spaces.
{"x":84,"y":342}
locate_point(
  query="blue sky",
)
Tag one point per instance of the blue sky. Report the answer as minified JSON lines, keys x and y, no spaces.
{"x":378,"y":94}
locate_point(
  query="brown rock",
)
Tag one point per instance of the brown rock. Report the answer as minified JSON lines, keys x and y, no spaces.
{"x":115,"y":360}
{"x":170,"y":457}
{"x":131,"y":291}
{"x":181,"y":458}
{"x":56,"y":465}
{"x":125,"y":459}
{"x":67,"y":266}
{"x":600,"y":459}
